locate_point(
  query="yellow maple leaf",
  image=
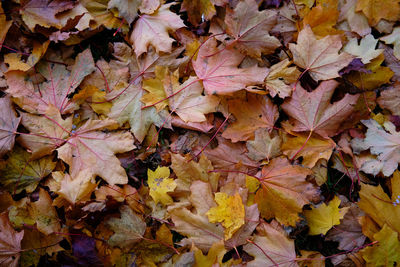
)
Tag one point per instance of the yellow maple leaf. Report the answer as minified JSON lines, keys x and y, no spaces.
{"x":160,"y":185}
{"x":386,"y":252}
{"x":155,"y":88}
{"x":377,"y":10}
{"x":322,"y":218}
{"x":379,"y":75}
{"x":214,"y":255}
{"x":229,"y":212}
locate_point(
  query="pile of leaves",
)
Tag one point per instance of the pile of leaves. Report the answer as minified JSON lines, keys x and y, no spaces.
{"x":199,"y":133}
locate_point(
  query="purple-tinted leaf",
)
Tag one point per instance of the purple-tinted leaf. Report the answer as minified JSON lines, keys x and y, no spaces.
{"x":355,"y":65}
{"x":84,"y":251}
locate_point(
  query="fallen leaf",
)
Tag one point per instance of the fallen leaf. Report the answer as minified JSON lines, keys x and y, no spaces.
{"x":375,"y":11}
{"x":280,"y":77}
{"x":10,"y":242}
{"x":60,"y":82}
{"x":21,"y":173}
{"x":385,"y":252}
{"x":324,"y":217}
{"x":250,"y":29}
{"x":195,"y":225}
{"x":127,"y":9}
{"x":198,"y":10}
{"x":220,"y":74}
{"x":348,"y":233}
{"x":320,"y":58}
{"x":271,"y":249}
{"x":379,"y":206}
{"x":160,"y":185}
{"x":357,"y":21}
{"x":255,"y":113}
{"x":214,"y":255}
{"x":263,"y":146}
{"x":394,"y":39}
{"x":376,"y":76}
{"x":44,"y":13}
{"x":90,"y":148}
{"x":314,"y":149}
{"x":128,"y":229}
{"x":365,"y":50}
{"x":383,"y":142}
{"x":153,"y":29}
{"x":284,"y":191}
{"x":313,"y":111}
{"x":390,"y":99}
{"x":229,"y":212}
{"x":322,"y":18}
{"x":8,"y":125}
{"x":74,"y":189}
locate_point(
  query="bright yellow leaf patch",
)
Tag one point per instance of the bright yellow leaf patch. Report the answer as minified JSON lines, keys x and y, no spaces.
{"x":160,"y":185}
{"x":230,"y":212}
{"x":322,"y":218}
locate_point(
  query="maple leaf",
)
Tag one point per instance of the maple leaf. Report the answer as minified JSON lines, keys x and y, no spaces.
{"x":47,"y":133}
{"x":190,"y":104}
{"x":319,"y":57}
{"x":379,"y":206}
{"x":187,"y":172}
{"x":375,"y":11}
{"x":128,"y":229}
{"x":22,"y":173}
{"x":128,"y":107}
{"x":383,"y":142}
{"x":60,"y":82}
{"x":228,"y":156}
{"x":313,"y":112}
{"x":284,"y":191}
{"x":315,"y":149}
{"x":230,"y":212}
{"x":219,"y":73}
{"x":263,"y":146}
{"x":366,"y":50}
{"x":385,"y":253}
{"x":89,"y":148}
{"x":76,"y":188}
{"x":394,"y":39}
{"x":390,"y":99}
{"x":101,"y":15}
{"x":279,"y":78}
{"x":322,"y":18}
{"x":127,"y":9}
{"x":348,"y":233}
{"x":272,"y":248}
{"x":255,"y":113}
{"x":376,"y":75}
{"x":4,"y":26}
{"x":10,"y":242}
{"x":14,"y":59}
{"x":153,"y":29}
{"x":324,"y":217}
{"x":8,"y":125}
{"x":160,"y":185}
{"x":250,"y":29}
{"x":198,"y":10}
{"x":195,"y":225}
{"x":214,"y":255}
{"x":43,"y":13}
{"x":155,"y":89}
{"x":357,"y":21}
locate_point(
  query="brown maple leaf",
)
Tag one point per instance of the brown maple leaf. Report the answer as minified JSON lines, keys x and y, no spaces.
{"x":218,"y":69}
{"x":319,"y":57}
{"x":8,"y":125}
{"x":313,"y":111}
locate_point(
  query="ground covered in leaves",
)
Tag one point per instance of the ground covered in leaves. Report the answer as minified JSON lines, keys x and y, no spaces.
{"x":200,"y":133}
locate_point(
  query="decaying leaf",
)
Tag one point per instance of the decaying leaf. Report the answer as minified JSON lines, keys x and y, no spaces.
{"x":321,"y":58}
